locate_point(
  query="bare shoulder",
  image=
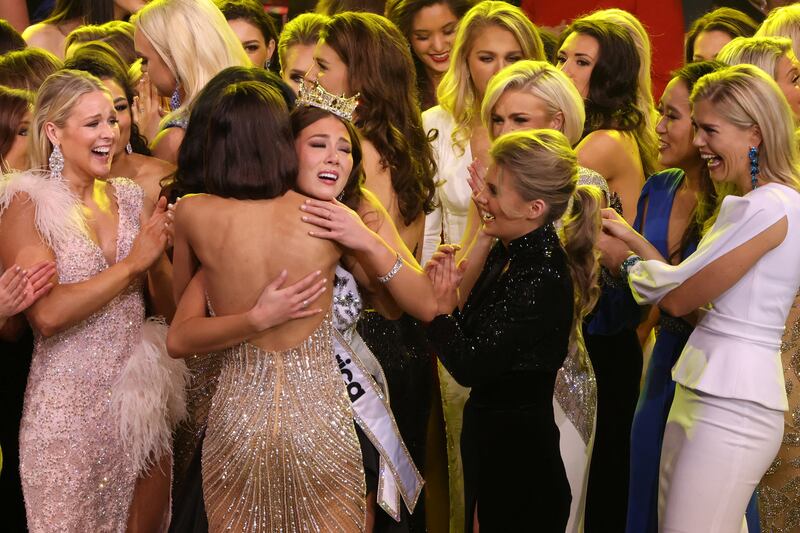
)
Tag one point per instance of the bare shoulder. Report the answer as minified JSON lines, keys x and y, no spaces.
{"x":371,"y":210}
{"x":166,"y":144}
{"x":45,"y":36}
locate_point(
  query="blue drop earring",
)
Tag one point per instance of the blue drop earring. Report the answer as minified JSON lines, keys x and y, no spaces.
{"x":175,"y":99}
{"x":753,"y":156}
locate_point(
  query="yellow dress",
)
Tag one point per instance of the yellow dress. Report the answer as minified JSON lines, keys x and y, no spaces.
{"x":280,"y":451}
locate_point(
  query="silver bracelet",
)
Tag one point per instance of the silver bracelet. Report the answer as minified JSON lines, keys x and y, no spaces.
{"x":626,"y":265}
{"x":395,"y":269}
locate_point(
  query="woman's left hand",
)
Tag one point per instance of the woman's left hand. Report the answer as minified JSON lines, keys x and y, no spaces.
{"x":337,"y":222}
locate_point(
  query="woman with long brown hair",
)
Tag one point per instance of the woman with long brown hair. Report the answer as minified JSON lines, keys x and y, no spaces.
{"x":365,"y":54}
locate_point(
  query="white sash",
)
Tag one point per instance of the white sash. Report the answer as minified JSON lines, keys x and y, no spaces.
{"x":397,"y":474}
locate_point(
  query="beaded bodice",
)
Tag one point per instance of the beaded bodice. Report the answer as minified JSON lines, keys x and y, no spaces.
{"x":347,"y":304}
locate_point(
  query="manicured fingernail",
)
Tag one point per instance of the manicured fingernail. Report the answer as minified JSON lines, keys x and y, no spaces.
{"x":304,"y":219}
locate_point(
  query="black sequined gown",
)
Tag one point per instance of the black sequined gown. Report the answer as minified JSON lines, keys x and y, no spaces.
{"x":508,"y":344}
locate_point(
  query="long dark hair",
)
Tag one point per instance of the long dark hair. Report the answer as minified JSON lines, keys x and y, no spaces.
{"x":101,"y":60}
{"x":14,"y":103}
{"x":725,"y":19}
{"x":237,"y":162}
{"x":10,"y":39}
{"x":402,"y":13}
{"x":381,"y":70}
{"x":253,"y":12}
{"x":188,"y":177}
{"x":707,"y":196}
{"x":304,"y":116}
{"x":89,"y":11}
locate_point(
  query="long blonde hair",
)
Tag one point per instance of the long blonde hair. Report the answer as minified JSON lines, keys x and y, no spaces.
{"x":746,"y":96}
{"x":456,"y":92}
{"x":546,"y":168}
{"x":543,"y":80}
{"x":194,"y":40}
{"x":55,"y":101}
{"x":783,"y":22}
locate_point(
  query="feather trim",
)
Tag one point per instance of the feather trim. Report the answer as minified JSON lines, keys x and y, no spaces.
{"x":149,"y":397}
{"x":58,"y":212}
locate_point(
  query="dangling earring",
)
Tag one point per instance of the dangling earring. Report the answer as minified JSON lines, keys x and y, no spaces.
{"x":128,"y":149}
{"x":56,"y":162}
{"x":341,"y":196}
{"x":175,"y":99}
{"x":753,"y":156}
{"x":267,"y":63}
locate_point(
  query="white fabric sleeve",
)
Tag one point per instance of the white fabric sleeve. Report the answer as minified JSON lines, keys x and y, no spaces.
{"x":433,"y":231}
{"x":740,"y":219}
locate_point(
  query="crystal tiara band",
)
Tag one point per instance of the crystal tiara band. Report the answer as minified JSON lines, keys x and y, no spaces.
{"x":316,"y":96}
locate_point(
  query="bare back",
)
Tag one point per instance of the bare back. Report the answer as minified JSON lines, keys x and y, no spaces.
{"x":243,"y":245}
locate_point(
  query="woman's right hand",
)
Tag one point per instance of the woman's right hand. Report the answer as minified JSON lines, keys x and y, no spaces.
{"x":277,"y":305}
{"x":19,"y":288}
{"x":477,"y":182}
{"x":151,"y":241}
{"x":146,"y":112}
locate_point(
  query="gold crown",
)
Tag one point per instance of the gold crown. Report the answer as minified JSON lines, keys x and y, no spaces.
{"x":316,"y":96}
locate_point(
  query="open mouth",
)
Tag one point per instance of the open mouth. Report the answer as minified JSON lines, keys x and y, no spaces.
{"x":440,"y":58}
{"x":102,"y":151}
{"x":328,"y":177}
{"x":712,"y":161}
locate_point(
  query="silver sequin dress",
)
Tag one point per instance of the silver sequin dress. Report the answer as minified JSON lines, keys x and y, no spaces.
{"x":280,"y":451}
{"x":75,"y":474}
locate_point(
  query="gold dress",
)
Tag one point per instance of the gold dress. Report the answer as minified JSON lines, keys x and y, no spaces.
{"x":280,"y":451}
{"x":779,"y":492}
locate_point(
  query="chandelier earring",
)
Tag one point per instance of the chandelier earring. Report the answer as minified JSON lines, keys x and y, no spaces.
{"x":752,"y":154}
{"x":56,"y":162}
{"x":175,"y":99}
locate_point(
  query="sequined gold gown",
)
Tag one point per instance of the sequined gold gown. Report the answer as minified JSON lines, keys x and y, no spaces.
{"x":75,"y":474}
{"x":280,"y":451}
{"x":779,"y":492}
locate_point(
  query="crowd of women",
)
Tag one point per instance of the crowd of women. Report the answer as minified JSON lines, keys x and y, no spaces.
{"x":425,"y":268}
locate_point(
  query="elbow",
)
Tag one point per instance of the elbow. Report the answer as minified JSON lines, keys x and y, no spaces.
{"x":46,"y":323}
{"x":175,"y":348}
{"x":428,"y":312}
{"x":675,"y":307}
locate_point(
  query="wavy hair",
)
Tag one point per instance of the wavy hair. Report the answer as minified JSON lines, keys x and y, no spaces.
{"x":612,"y":102}
{"x":55,"y":102}
{"x":117,"y":34}
{"x":27,"y":69}
{"x":381,"y":70}
{"x":456,"y":92}
{"x":402,"y":13}
{"x":194,"y":40}
{"x":644,"y":90}
{"x":546,"y":168}
{"x":544,"y":81}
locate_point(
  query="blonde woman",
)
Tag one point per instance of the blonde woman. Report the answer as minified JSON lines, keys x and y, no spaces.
{"x":773,"y":55}
{"x":183,"y":44}
{"x":532,"y":95}
{"x":87,"y":439}
{"x":726,"y":420}
{"x":783,"y":22}
{"x":521,"y":320}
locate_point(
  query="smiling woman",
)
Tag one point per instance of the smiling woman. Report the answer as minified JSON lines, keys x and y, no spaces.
{"x":92,"y":323}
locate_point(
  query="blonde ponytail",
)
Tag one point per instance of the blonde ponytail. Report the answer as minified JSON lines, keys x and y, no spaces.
{"x":579,"y":232}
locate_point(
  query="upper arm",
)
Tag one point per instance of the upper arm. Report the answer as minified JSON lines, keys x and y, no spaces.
{"x":593,"y":152}
{"x":377,"y":179}
{"x":184,"y":261}
{"x":21,"y":242}
{"x":167,"y":143}
{"x":724,"y":272}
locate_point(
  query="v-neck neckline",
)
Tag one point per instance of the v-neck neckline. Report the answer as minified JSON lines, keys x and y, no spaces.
{"x":96,"y":245}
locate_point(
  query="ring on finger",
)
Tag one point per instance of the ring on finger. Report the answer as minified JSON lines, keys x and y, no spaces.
{"x":305,"y":304}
